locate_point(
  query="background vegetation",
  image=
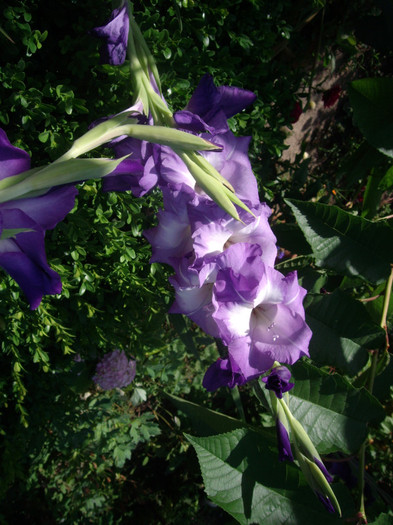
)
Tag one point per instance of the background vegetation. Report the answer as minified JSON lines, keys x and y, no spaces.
{"x":72,"y":453}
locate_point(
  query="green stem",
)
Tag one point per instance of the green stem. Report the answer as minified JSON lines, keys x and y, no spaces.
{"x":238,"y":403}
{"x":260,"y":394}
{"x":370,"y":386}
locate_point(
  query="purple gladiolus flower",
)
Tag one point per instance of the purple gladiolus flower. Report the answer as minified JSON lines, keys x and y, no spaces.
{"x":278,"y":381}
{"x":258,"y":311}
{"x":115,"y":370}
{"x":115,"y":36}
{"x":23,"y":254}
{"x":284,"y":445}
{"x":222,"y":373}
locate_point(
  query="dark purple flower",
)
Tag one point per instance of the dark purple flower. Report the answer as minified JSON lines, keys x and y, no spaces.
{"x":283,"y":443}
{"x":331,"y":96}
{"x":343,"y":470}
{"x":278,"y":381}
{"x":115,"y":36}
{"x":115,"y":370}
{"x":211,"y":106}
{"x":13,"y":160}
{"x":222,"y":373}
{"x":22,"y":253}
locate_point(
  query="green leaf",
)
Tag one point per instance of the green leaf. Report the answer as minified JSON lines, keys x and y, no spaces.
{"x":387,"y":180}
{"x":343,"y":331}
{"x":121,"y":454}
{"x":290,"y":237}
{"x":372,"y":193}
{"x":383,"y":519}
{"x":346,"y":243}
{"x":333,"y":413}
{"x":372,"y":102}
{"x":244,"y":477}
{"x":205,"y":421}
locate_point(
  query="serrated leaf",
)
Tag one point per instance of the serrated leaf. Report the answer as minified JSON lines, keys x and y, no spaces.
{"x":244,"y":477}
{"x":290,"y":237}
{"x":346,"y":243}
{"x":342,"y":330}
{"x":333,"y":413}
{"x":372,"y":102}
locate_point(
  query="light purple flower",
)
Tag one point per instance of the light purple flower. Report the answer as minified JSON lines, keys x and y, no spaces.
{"x":231,"y":162}
{"x":115,"y":370}
{"x":213,"y":231}
{"x":193,"y":298}
{"x":258,"y":311}
{"x":23,"y":254}
{"x":171,"y":239}
{"x":115,"y":36}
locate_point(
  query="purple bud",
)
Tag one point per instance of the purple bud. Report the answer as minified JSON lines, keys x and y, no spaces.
{"x":326,"y":502}
{"x":284,"y":445}
{"x":278,"y":381}
{"x":322,"y":468}
{"x":115,"y":370}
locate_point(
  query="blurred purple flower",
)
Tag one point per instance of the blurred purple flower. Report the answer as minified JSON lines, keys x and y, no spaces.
{"x":278,"y":381}
{"x":115,"y":35}
{"x":23,"y":254}
{"x":115,"y":370}
{"x":222,"y":373}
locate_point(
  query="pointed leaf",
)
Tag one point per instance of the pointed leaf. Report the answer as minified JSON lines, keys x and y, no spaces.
{"x":372,"y":102}
{"x":244,"y":477}
{"x":346,"y":243}
{"x":57,"y":174}
{"x":205,"y":421}
{"x":343,"y":331}
{"x":333,"y":413}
